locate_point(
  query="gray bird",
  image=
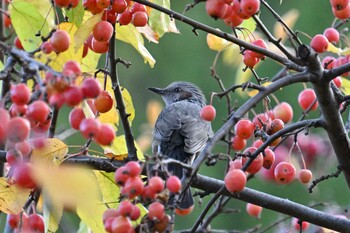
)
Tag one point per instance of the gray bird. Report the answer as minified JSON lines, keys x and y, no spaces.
{"x":179,"y":132}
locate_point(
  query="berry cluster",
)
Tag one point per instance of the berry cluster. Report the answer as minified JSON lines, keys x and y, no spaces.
{"x":134,"y":190}
{"x":32,"y":223}
{"x":121,"y":11}
{"x":233,"y":12}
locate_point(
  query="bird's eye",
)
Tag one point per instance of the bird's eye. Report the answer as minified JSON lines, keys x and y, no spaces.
{"x":177,"y":89}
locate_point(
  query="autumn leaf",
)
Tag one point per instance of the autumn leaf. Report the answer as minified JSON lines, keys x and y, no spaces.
{"x":130,"y":35}
{"x":76,"y":14}
{"x":12,"y":197}
{"x":85,"y":29}
{"x":160,"y":22}
{"x":53,"y":152}
{"x":118,"y":149}
{"x":289,"y":19}
{"x":52,"y":212}
{"x":109,"y":189}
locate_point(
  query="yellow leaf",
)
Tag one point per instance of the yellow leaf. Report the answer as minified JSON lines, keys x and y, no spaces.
{"x":231,"y":55}
{"x":129,"y":106}
{"x":12,"y":198}
{"x":46,"y":10}
{"x":254,"y":92}
{"x":90,"y":61}
{"x":53,"y":152}
{"x":290,"y":19}
{"x":85,"y":29}
{"x":56,"y":61}
{"x":216,"y":43}
{"x":345,"y":86}
{"x":129,"y":34}
{"x":52,"y":212}
{"x":118,"y":149}
{"x":345,"y":52}
{"x":333,"y":49}
{"x":91,"y":215}
{"x":109,"y":189}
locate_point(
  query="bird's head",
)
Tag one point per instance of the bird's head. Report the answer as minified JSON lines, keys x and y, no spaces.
{"x":178,"y":91}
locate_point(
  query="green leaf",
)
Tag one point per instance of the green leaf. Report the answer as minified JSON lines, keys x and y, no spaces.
{"x":249,"y":24}
{"x":28,"y":21}
{"x":109,"y":189}
{"x":76,"y":15}
{"x":85,"y":29}
{"x":52,"y":212}
{"x":160,"y":22}
{"x":46,"y":10}
{"x":91,"y":215}
{"x":130,"y":35}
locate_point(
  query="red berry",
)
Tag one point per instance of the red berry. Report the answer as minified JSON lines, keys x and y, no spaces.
{"x":216,"y":8}
{"x":332,"y":35}
{"x":109,"y":213}
{"x":62,"y":3}
{"x":24,"y":147}
{"x":91,"y":88}
{"x":46,"y":47}
{"x":238,"y":143}
{"x":254,"y":210}
{"x":119,"y":6}
{"x":156,"y":184}
{"x":18,"y":129}
{"x":20,"y":94}
{"x":103,"y":102}
{"x":137,"y":7}
{"x":4,"y":119}
{"x":73,"y":66}
{"x":91,"y":6}
{"x":105,"y":135}
{"x":13,"y":220}
{"x":208,"y":113}
{"x":89,"y":127}
{"x":13,"y":155}
{"x":139,"y":19}
{"x":73,"y":96}
{"x":233,"y":20}
{"x":121,"y":176}
{"x":284,"y":112}
{"x":319,"y":43}
{"x":75,"y":117}
{"x":244,"y":129}
{"x":121,"y":225}
{"x":269,"y":158}
{"x":235,"y":180}
{"x":135,"y":213}
{"x":38,"y":111}
{"x":156,"y":211}
{"x":22,"y":175}
{"x":338,"y":81}
{"x":249,"y":59}
{"x":284,"y":172}
{"x":342,"y":13}
{"x":133,"y":187}
{"x":260,"y":43}
{"x":36,"y":223}
{"x":18,"y":43}
{"x":60,"y":41}
{"x":262,"y":120}
{"x":275,"y":126}
{"x":339,"y":4}
{"x":125,"y":18}
{"x":125,"y":208}
{"x":103,"y":31}
{"x":57,"y":100}
{"x":250,"y":7}
{"x":257,"y":163}
{"x":306,"y":98}
{"x":133,"y":168}
{"x":173,"y":184}
{"x":103,"y":4}
{"x":300,"y":225}
{"x":304,"y":176}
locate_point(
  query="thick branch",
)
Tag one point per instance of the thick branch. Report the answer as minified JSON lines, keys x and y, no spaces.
{"x":235,"y":40}
{"x":280,"y":205}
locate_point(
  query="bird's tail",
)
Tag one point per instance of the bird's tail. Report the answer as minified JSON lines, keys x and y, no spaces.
{"x":186,"y":199}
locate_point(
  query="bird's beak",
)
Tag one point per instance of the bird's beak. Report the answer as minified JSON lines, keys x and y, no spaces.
{"x":159,"y":91}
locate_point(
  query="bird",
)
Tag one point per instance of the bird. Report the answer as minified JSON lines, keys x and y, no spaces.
{"x":179,"y":132}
